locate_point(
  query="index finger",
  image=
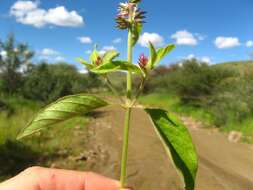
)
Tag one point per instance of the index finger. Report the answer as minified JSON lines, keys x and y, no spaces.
{"x":37,"y":178}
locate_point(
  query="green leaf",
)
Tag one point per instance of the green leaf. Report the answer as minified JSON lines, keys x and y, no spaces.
{"x":162,"y":52}
{"x":94,"y":56}
{"x":116,"y":66}
{"x":61,"y":110}
{"x":153,"y":55}
{"x":109,"y":56}
{"x":178,"y":144}
{"x":136,"y":31}
{"x":85,"y":63}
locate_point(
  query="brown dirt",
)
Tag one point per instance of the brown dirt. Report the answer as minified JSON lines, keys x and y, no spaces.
{"x":222,"y":165}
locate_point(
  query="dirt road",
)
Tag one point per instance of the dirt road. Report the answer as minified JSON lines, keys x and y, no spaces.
{"x":222,"y":165}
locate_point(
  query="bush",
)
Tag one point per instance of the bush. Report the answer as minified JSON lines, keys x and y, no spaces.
{"x":220,"y":91}
{"x":197,"y":82}
{"x":47,"y":82}
{"x":6,"y":107}
{"x":162,"y":79}
{"x":234,"y":103}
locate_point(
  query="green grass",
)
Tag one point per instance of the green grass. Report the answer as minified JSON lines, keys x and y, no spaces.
{"x":172,"y":103}
{"x":241,"y":66}
{"x":245,"y":127}
{"x":52,"y":146}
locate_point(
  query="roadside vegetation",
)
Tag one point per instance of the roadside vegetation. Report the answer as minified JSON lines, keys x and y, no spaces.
{"x":25,"y":87}
{"x":218,"y":95}
{"x":59,"y":148}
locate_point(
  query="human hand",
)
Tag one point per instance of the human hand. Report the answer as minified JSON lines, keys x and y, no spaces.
{"x":38,"y":178}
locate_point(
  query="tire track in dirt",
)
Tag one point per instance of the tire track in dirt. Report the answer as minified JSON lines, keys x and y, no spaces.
{"x":222,"y":165}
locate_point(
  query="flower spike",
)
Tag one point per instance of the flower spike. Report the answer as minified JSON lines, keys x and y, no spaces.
{"x":129,"y":15}
{"x":135,"y":1}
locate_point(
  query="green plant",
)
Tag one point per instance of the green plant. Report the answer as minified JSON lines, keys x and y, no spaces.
{"x":47,"y":82}
{"x":196,"y":82}
{"x":17,"y":58}
{"x":171,"y":131}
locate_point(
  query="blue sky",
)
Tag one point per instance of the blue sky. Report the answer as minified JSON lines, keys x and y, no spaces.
{"x":210,"y":30}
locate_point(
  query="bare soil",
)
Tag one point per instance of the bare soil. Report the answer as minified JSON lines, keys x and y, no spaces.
{"x":222,"y":165}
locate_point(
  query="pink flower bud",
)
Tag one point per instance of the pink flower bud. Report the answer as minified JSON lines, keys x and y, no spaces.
{"x":99,"y":60}
{"x":143,"y":60}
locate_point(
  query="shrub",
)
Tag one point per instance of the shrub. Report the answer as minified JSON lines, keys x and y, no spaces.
{"x":234,"y":103}
{"x":162,"y":79}
{"x":47,"y":82}
{"x":197,"y":82}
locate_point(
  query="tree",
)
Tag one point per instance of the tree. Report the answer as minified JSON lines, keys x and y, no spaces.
{"x":196,"y":82}
{"x":47,"y":82}
{"x":14,"y":59}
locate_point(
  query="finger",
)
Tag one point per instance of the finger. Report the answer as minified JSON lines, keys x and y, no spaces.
{"x":22,"y":181}
{"x":65,"y":180}
{"x":97,"y":182}
{"x":55,"y":179}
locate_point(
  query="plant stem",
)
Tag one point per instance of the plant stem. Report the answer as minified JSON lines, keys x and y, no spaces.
{"x":129,"y":59}
{"x":125,"y":148}
{"x":127,"y":116}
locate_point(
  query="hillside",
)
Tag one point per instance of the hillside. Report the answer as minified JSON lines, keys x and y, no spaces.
{"x":241,"y":66}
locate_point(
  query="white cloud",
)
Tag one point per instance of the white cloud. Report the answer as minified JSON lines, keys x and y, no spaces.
{"x":200,"y":36}
{"x":61,"y":17}
{"x":48,"y":52}
{"x":190,"y":56}
{"x":226,"y":42}
{"x":50,"y":55}
{"x":117,"y":40}
{"x":205,"y":59}
{"x":3,"y":54}
{"x":108,"y":48}
{"x":28,"y":12}
{"x":101,"y":52}
{"x":88,"y":51}
{"x":35,"y":18}
{"x":249,"y":43}
{"x":59,"y":58}
{"x":154,"y":38}
{"x":105,"y":49}
{"x":85,"y":40}
{"x":83,"y":71}
{"x":21,"y":7}
{"x":183,"y":37}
